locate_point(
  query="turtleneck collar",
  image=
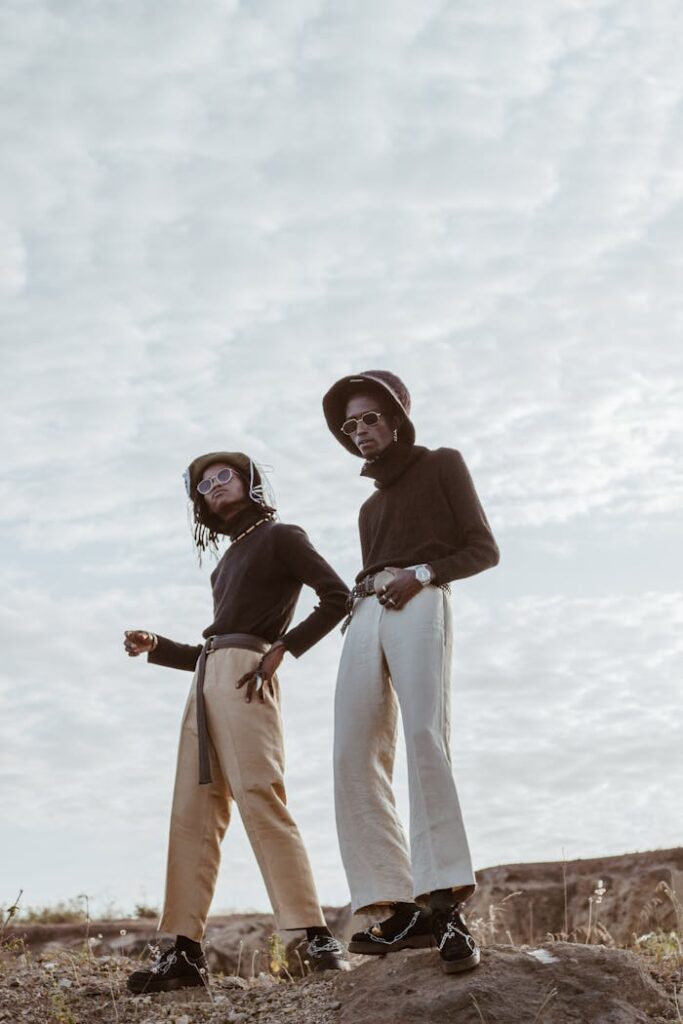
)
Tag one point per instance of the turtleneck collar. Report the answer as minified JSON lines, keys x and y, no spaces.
{"x":245,"y":518}
{"x":392,"y":463}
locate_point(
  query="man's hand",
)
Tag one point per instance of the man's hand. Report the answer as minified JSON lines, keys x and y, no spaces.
{"x":396,"y":593}
{"x":262,"y":678}
{"x":138,"y":641}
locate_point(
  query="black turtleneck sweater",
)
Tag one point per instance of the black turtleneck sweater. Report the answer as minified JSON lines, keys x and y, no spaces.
{"x":256,"y":585}
{"x":425,"y":510}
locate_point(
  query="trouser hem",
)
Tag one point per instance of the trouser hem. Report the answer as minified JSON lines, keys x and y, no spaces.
{"x":376,"y":905}
{"x":461,"y":893}
{"x":180,"y":926}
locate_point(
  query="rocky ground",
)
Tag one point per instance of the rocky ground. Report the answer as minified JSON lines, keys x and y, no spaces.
{"x":524,"y":915}
{"x":556,"y":983}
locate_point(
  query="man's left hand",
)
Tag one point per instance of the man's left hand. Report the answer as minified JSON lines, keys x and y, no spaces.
{"x":261,"y":679}
{"x":399,"y":591}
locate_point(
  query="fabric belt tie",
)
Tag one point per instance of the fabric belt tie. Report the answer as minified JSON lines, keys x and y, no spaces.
{"x":242,"y":640}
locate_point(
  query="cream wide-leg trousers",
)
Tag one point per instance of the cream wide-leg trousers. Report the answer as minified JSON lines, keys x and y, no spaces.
{"x":247,"y":765}
{"x":395,"y":659}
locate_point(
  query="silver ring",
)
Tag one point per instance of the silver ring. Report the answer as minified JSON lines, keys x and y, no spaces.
{"x":391,"y":602}
{"x":259,"y":681}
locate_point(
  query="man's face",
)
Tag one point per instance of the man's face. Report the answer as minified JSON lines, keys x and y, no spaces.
{"x":371,"y":441}
{"x":223,"y":499}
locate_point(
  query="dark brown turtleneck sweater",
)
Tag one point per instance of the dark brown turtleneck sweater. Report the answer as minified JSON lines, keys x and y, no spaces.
{"x":424,"y":509}
{"x":256,"y":585}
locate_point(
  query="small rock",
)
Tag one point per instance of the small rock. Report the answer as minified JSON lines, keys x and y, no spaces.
{"x":232,"y":982}
{"x":93,"y":990}
{"x":65,"y":983}
{"x":266,"y":979}
{"x":336,"y":1005}
{"x":182,"y":1020}
{"x":543,"y":956}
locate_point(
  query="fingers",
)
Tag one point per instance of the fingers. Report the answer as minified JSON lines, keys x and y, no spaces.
{"x":257,"y":683}
{"x":390,"y":597}
{"x":396,"y":594}
{"x":136,"y":641}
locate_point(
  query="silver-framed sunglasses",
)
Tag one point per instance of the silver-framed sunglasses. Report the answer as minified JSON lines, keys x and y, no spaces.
{"x":223,"y":476}
{"x":370,"y":419}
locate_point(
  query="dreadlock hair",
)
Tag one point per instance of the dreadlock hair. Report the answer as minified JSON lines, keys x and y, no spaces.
{"x":205,"y":537}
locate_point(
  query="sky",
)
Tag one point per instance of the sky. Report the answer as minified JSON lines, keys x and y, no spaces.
{"x":210,"y":213}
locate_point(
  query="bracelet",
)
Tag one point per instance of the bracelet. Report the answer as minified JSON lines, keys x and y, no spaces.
{"x":155,"y":642}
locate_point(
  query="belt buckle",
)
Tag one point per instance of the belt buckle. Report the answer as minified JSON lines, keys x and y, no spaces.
{"x":208,"y":647}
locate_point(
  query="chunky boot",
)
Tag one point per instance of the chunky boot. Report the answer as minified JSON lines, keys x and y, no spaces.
{"x":409,"y":927}
{"x":325,"y":953}
{"x":457,"y":949}
{"x":173,"y":969}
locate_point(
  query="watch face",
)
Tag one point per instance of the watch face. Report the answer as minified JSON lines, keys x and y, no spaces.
{"x":423,"y":574}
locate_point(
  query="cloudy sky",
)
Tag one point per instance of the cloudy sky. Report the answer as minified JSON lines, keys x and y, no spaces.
{"x":208,"y":214}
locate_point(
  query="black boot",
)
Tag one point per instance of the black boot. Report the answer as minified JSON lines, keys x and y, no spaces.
{"x":409,"y":927}
{"x":325,"y":953}
{"x":172,"y":970}
{"x":457,"y":949}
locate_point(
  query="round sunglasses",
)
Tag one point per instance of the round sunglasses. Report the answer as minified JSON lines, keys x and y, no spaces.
{"x":350,"y":426}
{"x":223,"y":476}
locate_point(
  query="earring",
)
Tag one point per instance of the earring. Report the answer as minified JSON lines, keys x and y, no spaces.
{"x":395,"y":433}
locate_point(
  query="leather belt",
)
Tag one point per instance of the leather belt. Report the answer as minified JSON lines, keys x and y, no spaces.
{"x":242,"y":640}
{"x":366,"y":588}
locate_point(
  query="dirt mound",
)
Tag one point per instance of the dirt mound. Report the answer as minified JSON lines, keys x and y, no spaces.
{"x":558,"y":983}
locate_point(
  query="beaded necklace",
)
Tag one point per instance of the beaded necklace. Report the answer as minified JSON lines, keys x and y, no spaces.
{"x":259,"y":522}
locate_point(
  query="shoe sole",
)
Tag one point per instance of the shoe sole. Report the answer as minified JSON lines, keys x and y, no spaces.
{"x":172,"y":985}
{"x":381,"y":949}
{"x":457,"y":966}
{"x":340,"y":965}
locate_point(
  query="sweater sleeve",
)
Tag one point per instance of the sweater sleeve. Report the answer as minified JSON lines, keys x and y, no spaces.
{"x":308,"y":567}
{"x":173,"y":655}
{"x":474,"y":546}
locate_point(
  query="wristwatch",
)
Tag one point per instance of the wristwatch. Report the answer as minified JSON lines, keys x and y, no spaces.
{"x":423,"y":574}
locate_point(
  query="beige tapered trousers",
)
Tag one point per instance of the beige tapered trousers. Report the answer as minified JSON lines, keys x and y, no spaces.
{"x":395,"y":659}
{"x":247,"y":765}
